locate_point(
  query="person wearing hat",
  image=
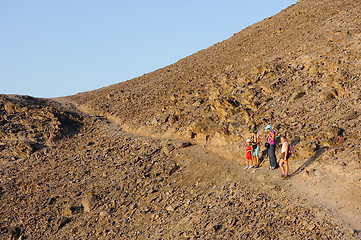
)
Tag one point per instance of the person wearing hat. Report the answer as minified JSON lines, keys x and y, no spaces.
{"x":249,"y":154}
{"x":271,"y":140}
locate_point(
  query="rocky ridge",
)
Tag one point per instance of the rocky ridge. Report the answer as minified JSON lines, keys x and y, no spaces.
{"x":28,"y":124}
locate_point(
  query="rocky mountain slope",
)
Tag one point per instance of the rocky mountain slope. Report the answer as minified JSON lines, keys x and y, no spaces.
{"x":159,"y":156}
{"x":298,"y":70}
{"x":99,"y":182}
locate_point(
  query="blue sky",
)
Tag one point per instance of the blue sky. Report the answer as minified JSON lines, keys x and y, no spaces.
{"x":59,"y":48}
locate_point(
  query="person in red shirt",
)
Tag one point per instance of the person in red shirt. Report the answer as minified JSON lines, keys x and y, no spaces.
{"x":249,"y":154}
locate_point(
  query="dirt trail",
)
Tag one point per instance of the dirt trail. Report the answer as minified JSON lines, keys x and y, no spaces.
{"x":310,"y":185}
{"x":326,"y":192}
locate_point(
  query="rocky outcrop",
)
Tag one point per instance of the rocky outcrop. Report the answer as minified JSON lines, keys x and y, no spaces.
{"x":28,"y":124}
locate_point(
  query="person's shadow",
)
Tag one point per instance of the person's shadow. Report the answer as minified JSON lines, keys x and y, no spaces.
{"x":309,"y":161}
{"x":263,"y":157}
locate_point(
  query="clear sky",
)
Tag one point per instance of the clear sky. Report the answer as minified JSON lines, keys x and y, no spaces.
{"x":52,"y":48}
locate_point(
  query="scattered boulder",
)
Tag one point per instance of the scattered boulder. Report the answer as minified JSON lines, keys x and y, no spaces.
{"x":70,"y":210}
{"x":14,"y":232}
{"x":168,"y":148}
{"x":297,"y":95}
{"x":89,"y":202}
{"x":103,"y":214}
{"x":170,"y":208}
{"x":63,"y":221}
{"x":328,"y":95}
{"x":172,"y":119}
{"x":351,"y":115}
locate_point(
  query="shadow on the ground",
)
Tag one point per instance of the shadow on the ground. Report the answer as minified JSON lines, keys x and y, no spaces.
{"x":309,"y":161}
{"x":263,"y":157}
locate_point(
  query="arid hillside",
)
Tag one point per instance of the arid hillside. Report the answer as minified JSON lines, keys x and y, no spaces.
{"x":95,"y":181}
{"x":298,"y":71}
{"x":291,"y":70}
{"x":161,"y":156}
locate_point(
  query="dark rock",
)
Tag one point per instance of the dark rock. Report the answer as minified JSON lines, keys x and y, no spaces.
{"x":63,"y":221}
{"x":52,"y":200}
{"x":186,"y":144}
{"x":14,"y":231}
{"x":217,"y":227}
{"x":73,"y":209}
{"x":297,"y":95}
{"x":173,"y":169}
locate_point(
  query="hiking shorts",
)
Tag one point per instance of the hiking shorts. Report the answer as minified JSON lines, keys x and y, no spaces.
{"x":255,"y":152}
{"x":283,"y":156}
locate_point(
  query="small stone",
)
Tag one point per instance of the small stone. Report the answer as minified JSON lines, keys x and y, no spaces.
{"x":14,"y":231}
{"x":170,"y":208}
{"x":173,"y":169}
{"x":167,"y":149}
{"x":88,"y":202}
{"x":172,"y":119}
{"x":352,"y":231}
{"x":185,"y":144}
{"x":297,"y":95}
{"x":314,"y":146}
{"x":125,"y":220}
{"x":310,"y":226}
{"x":352,"y":115}
{"x":103,"y":213}
{"x":217,"y":227}
{"x":63,"y":221}
{"x":76,"y":209}
{"x":52,"y":200}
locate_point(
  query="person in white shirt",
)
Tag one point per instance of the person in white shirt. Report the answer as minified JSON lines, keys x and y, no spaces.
{"x":284,"y":157}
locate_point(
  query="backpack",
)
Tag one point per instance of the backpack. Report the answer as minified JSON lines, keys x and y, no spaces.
{"x":290,"y":151}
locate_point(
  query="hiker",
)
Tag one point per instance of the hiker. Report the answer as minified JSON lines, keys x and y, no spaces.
{"x":271,"y":140}
{"x":249,"y":154}
{"x":256,"y":145}
{"x":285,"y":154}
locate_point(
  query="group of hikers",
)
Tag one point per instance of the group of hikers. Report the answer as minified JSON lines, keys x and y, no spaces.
{"x":254,"y":147}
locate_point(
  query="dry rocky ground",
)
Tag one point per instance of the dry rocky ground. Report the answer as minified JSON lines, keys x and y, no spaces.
{"x":96,"y":181}
{"x":161,"y":156}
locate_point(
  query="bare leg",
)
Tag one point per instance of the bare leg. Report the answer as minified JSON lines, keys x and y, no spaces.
{"x":281,"y":166}
{"x":286,"y":167}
